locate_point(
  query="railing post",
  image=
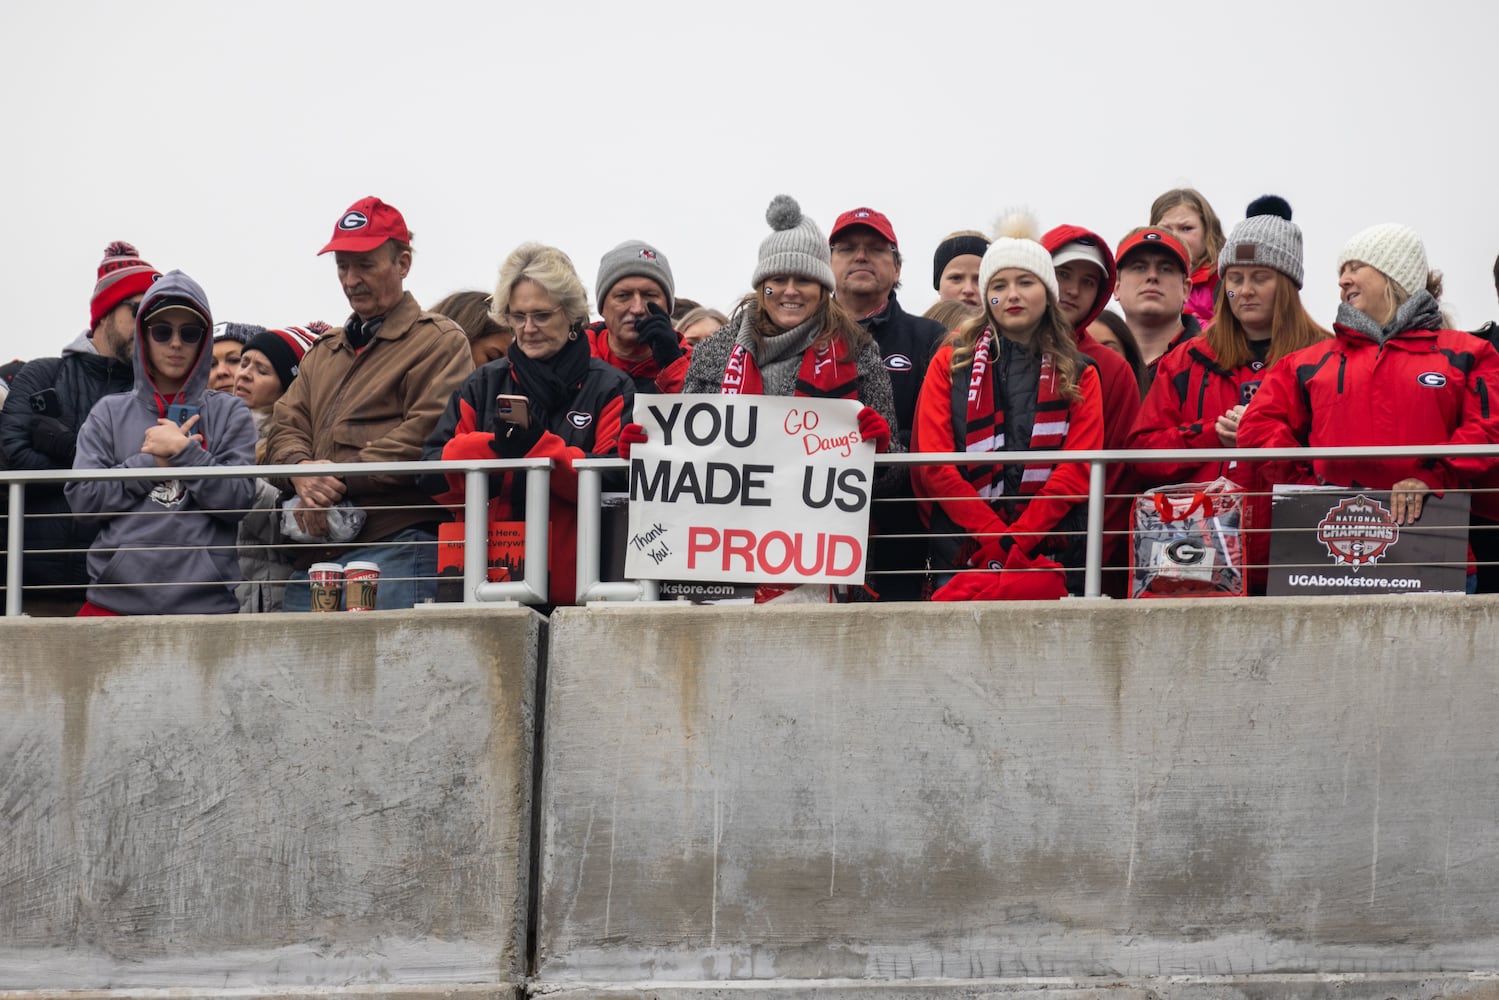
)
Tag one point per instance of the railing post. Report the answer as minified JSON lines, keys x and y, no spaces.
{"x":1093,"y":574}
{"x":538,"y":517}
{"x":475,"y":533}
{"x":590,"y":532}
{"x":13,"y":537}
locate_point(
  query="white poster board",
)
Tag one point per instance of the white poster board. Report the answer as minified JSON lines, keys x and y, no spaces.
{"x":752,"y":489}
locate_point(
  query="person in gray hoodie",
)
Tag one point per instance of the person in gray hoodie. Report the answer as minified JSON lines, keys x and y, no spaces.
{"x":175,"y":551}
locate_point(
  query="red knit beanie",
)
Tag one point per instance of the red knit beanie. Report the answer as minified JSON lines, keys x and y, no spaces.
{"x":122,"y":274}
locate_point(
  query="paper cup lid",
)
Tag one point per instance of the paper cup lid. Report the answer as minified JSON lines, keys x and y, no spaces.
{"x":363,"y":566}
{"x":326,"y":568}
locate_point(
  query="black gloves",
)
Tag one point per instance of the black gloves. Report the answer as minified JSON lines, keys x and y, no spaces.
{"x":53,"y":438}
{"x":511,"y":441}
{"x":655,"y":331}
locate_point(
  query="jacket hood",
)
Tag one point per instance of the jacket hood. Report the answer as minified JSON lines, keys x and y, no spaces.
{"x":81,"y":344}
{"x":1063,"y":235}
{"x":174,"y":285}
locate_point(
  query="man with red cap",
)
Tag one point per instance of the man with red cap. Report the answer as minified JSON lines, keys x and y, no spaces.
{"x":49,"y":400}
{"x":1154,"y":281}
{"x":371,"y":392}
{"x":866,"y":270}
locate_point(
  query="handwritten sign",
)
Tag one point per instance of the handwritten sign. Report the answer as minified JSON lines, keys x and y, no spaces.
{"x":754,"y":489}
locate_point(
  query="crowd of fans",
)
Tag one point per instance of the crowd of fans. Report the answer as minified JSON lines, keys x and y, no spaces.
{"x":1211,"y":347}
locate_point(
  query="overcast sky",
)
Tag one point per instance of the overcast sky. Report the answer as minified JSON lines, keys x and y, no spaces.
{"x":226,"y":140}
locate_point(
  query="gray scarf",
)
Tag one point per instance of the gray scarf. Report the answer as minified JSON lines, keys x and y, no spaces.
{"x":779,"y":358}
{"x":1419,"y":312}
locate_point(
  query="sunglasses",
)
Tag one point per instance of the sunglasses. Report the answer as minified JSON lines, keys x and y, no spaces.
{"x":189,"y":335}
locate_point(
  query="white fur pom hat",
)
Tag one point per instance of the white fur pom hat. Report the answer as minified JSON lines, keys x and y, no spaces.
{"x":1015,"y":245}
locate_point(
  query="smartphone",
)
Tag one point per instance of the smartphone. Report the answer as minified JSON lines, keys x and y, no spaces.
{"x":44,"y":402}
{"x":513,"y":409}
{"x":178,"y":413}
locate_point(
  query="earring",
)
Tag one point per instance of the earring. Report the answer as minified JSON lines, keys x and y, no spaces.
{"x":572,"y":335}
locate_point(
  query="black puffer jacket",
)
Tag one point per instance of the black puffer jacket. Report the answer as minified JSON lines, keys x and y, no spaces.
{"x":78,"y":380}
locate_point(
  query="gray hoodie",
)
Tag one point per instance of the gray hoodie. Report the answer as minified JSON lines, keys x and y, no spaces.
{"x":179,"y":533}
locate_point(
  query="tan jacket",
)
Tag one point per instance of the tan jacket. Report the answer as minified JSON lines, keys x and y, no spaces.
{"x":378,"y":405}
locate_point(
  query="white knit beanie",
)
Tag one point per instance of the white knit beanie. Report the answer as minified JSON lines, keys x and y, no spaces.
{"x":796,"y":247}
{"x":1393,"y":250}
{"x":1028,"y":255}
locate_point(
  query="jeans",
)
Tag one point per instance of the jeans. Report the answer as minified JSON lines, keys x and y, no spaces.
{"x":401,"y":557}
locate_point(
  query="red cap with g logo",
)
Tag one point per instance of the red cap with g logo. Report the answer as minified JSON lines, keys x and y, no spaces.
{"x":367,"y":224}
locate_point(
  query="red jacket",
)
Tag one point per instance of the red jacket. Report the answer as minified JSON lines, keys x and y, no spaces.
{"x":1189,"y":394}
{"x":645,"y":373}
{"x":1421,"y":387}
{"x":1120,"y":392}
{"x":948,"y":487}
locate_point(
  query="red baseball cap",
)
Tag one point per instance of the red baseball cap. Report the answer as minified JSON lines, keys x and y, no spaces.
{"x":367,"y":224}
{"x":1150,"y":236}
{"x":865,"y":217}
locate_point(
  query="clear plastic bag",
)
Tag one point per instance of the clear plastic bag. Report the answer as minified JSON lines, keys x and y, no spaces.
{"x":1188,"y":541}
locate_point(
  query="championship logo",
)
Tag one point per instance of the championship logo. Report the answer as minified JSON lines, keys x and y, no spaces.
{"x":1357,"y":531}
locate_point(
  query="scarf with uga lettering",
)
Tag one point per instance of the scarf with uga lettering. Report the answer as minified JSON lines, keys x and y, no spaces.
{"x":828,"y":371}
{"x":976,"y":410}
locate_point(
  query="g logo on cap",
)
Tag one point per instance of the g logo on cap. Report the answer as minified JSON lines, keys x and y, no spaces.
{"x":353,"y":220}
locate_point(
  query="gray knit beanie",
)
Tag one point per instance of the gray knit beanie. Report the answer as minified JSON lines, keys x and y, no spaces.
{"x":1265,"y":240}
{"x":635,"y":259}
{"x":1393,"y":250}
{"x":796,"y":247}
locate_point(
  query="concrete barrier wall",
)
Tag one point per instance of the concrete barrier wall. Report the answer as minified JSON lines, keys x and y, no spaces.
{"x":1269,"y":791}
{"x":289,"y":804}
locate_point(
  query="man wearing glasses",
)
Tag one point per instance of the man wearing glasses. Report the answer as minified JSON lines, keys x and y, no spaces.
{"x":866,"y":267}
{"x":49,"y":400}
{"x":370,"y":392}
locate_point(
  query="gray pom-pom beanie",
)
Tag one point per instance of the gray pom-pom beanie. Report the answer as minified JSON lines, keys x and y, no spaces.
{"x":1267,"y":240}
{"x":796,"y":246}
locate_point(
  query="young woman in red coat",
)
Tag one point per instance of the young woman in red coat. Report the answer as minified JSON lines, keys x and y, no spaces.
{"x":1202,"y":388}
{"x":1010,"y":380}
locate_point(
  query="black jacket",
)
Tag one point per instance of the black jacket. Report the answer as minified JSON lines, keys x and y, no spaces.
{"x":907,"y":344}
{"x":76,"y":381}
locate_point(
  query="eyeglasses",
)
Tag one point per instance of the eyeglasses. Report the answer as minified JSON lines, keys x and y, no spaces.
{"x":189,"y":335}
{"x":871,"y":251}
{"x":541,"y":317}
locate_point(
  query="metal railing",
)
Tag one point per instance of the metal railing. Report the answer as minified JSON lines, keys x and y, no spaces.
{"x":531,"y":589}
{"x":591,"y":588}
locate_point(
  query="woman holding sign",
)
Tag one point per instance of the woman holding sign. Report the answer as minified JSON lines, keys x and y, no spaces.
{"x":1010,"y":380}
{"x":790,"y":337}
{"x":548,"y":397}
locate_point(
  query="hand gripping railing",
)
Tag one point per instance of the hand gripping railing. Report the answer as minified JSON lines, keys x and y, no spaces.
{"x":532,"y":589}
{"x":590,"y":588}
